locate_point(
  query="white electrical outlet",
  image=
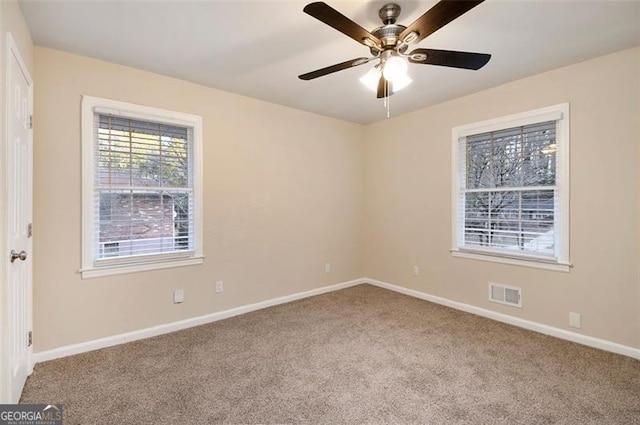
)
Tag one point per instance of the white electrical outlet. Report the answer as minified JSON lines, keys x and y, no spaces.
{"x":219,"y":286}
{"x":575,"y":320}
{"x":178,"y":296}
{"x":416,"y":270}
{"x":327,"y":267}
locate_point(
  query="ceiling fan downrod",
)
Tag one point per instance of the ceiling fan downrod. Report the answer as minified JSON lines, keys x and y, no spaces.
{"x":389,"y":13}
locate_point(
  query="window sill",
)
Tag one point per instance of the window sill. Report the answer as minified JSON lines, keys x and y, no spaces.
{"x":523,"y":262}
{"x":139,"y":267}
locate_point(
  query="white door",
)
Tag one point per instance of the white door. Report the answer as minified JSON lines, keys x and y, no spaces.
{"x":19,"y":194}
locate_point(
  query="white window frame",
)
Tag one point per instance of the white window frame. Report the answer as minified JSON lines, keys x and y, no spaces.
{"x":90,"y":268}
{"x":560,"y":262}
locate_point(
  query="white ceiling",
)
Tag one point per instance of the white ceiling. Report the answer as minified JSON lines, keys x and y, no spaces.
{"x":259,"y":48}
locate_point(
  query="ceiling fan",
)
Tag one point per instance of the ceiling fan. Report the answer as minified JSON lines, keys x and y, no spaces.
{"x":390,"y":42}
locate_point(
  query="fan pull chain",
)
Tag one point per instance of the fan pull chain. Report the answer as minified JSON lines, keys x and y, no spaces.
{"x":387,"y":99}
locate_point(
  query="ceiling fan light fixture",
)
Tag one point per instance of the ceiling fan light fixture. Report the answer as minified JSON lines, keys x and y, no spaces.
{"x":371,"y":78}
{"x":395,"y":68}
{"x":401,"y":82}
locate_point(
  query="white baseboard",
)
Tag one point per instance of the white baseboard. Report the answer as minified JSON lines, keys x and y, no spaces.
{"x":515,"y":321}
{"x":83,"y":347}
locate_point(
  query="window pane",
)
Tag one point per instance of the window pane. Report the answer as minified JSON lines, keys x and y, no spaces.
{"x":516,"y":157}
{"x":135,"y":161}
{"x":506,"y":159}
{"x":182,"y":204}
{"x":478,"y":157}
{"x":477,"y":223}
{"x":141,"y":154}
{"x":518,"y":220}
{"x":143,"y":222}
{"x":539,"y":164}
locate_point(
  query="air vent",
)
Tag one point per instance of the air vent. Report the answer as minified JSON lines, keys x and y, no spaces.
{"x":504,"y":294}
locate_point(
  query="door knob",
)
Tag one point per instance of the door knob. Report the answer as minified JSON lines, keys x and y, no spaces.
{"x":22,"y":255}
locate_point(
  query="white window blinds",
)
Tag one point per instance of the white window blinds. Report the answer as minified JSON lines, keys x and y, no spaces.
{"x":143,"y":180}
{"x":508,"y":196}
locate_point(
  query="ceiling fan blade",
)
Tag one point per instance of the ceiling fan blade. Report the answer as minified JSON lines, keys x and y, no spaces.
{"x":438,"y":16}
{"x":325,"y":13}
{"x":453,"y":59}
{"x":333,"y":68}
{"x":385,"y":88}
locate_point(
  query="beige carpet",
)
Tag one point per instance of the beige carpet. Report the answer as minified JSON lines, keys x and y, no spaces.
{"x":360,"y":355}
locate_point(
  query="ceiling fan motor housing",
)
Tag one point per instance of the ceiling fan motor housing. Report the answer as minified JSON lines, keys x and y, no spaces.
{"x":388,"y":34}
{"x":389,"y":13}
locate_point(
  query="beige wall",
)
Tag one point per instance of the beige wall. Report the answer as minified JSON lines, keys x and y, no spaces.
{"x":287,"y":191}
{"x":282,"y":196}
{"x":408,"y":200}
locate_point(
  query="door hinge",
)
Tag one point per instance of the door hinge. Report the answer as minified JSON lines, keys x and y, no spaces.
{"x":30,"y":121}
{"x":30,"y":230}
{"x":29,"y":339}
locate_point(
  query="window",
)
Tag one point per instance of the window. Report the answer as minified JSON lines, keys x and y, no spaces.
{"x":142,"y":188}
{"x":511,"y":189}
